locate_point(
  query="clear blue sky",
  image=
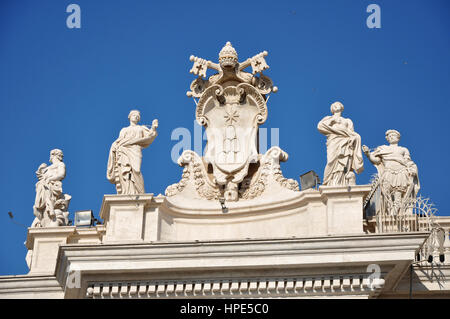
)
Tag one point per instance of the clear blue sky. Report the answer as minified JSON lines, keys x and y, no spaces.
{"x":73,"y":88}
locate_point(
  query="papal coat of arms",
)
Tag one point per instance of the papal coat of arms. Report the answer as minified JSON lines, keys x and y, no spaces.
{"x":231,"y":106}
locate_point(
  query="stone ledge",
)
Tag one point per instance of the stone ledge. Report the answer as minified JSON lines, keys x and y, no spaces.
{"x":277,"y":258}
{"x":26,"y":286}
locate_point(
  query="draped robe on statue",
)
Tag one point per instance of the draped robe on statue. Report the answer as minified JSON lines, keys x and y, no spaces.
{"x":125,"y":158}
{"x":49,"y":187}
{"x":343,"y":151}
{"x":47,"y":191}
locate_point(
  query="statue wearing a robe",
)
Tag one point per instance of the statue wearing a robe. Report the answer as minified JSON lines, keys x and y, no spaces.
{"x":344,"y":155}
{"x":125,"y":156}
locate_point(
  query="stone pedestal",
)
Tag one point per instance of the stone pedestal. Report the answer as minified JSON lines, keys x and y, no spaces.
{"x":130,"y":218}
{"x":344,"y":205}
{"x":43,"y":246}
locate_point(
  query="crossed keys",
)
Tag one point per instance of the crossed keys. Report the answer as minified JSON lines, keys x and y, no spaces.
{"x":258,"y":63}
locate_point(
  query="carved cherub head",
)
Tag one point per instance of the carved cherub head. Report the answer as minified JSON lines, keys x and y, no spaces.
{"x":392,"y":136}
{"x":228,"y":58}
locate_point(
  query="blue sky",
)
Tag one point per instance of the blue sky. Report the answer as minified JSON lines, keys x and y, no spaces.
{"x":73,"y":88}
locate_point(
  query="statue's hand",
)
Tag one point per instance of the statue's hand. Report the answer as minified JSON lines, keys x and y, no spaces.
{"x":365,"y":150}
{"x":155,"y":124}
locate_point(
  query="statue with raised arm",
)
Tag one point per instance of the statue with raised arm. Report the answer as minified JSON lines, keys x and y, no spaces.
{"x":344,"y":155}
{"x":125,"y":155}
{"x":50,"y":205}
{"x":397,"y":173}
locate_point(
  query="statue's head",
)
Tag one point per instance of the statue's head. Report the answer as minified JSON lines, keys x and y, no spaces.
{"x":56,"y":153}
{"x":337,"y":107}
{"x":392,"y":136}
{"x":134,"y":116}
{"x":228,"y":58}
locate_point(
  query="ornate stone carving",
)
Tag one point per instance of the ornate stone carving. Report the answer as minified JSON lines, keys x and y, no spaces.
{"x":194,"y":173}
{"x":176,"y":188}
{"x":397,"y":173}
{"x":231,"y":116}
{"x":269,"y":171}
{"x":344,"y":155}
{"x":51,"y":204}
{"x":231,"y":106}
{"x":254,"y":186}
{"x":230,"y":70}
{"x":125,"y":155}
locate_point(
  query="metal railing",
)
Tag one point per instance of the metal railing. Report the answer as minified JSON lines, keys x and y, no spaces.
{"x":413,"y":215}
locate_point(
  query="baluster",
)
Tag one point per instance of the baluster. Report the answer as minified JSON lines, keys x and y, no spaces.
{"x":447,"y":247}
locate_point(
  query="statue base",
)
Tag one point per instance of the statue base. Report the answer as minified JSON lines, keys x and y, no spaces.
{"x":43,"y":246}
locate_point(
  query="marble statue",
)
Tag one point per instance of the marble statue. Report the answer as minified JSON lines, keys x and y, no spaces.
{"x":231,"y":106}
{"x":344,"y":155}
{"x":51,"y":204}
{"x":125,"y":155}
{"x":397,"y":173}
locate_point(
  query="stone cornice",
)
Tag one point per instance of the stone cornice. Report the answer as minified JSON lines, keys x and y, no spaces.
{"x":321,"y":256}
{"x":322,"y":244}
{"x":25,"y":286}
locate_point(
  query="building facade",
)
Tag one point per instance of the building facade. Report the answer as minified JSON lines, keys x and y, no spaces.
{"x":234,"y":226}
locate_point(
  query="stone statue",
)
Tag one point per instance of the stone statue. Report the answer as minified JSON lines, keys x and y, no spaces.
{"x":397,"y":173}
{"x":51,"y":205}
{"x":125,"y":155}
{"x":344,"y":155}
